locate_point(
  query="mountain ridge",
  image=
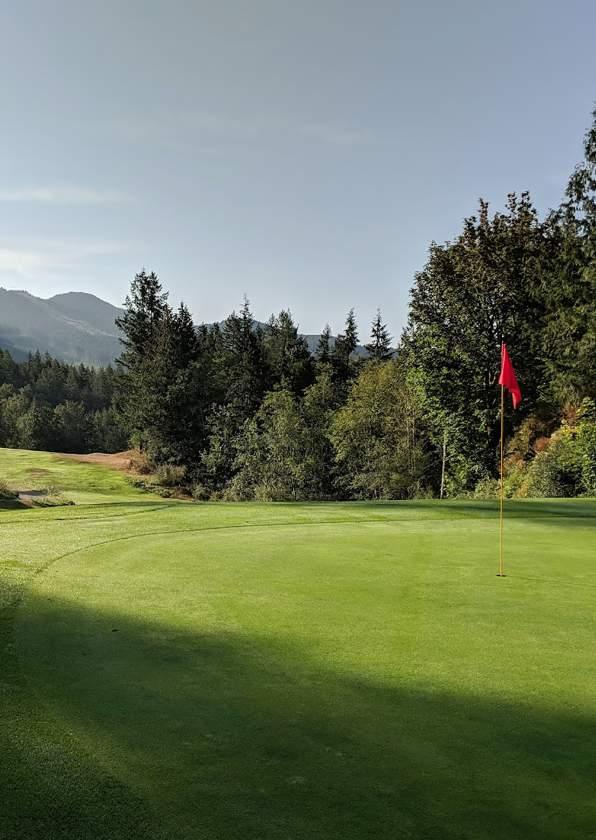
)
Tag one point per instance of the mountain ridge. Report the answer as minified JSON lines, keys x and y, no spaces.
{"x":75,"y":327}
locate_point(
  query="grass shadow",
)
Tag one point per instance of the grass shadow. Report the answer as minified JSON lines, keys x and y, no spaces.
{"x":12,"y":504}
{"x":243,"y":737}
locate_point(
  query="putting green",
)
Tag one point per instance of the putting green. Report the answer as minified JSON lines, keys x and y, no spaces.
{"x":356,"y":679}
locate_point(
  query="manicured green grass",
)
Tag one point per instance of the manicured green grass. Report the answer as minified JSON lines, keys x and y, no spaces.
{"x":297,"y":671}
{"x":25,"y":470}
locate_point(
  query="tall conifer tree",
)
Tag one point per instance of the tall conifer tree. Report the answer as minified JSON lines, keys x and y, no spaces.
{"x":379,"y":348}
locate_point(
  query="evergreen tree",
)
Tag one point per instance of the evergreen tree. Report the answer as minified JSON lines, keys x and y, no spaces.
{"x":318,"y":406}
{"x":238,"y":379}
{"x":219,"y":458}
{"x":344,"y":365}
{"x":240,"y":363}
{"x":9,"y":370}
{"x":379,"y":348}
{"x":323,"y":351}
{"x":171,"y":411}
{"x":145,"y":307}
{"x":108,"y":432}
{"x":185,"y":337}
{"x":474,"y":293}
{"x":74,"y":427}
{"x":350,"y":337}
{"x":13,"y":405}
{"x":35,"y":429}
{"x":570,"y":335}
{"x":287,"y":356}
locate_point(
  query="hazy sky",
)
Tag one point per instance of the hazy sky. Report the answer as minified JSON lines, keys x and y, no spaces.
{"x":304,"y":153}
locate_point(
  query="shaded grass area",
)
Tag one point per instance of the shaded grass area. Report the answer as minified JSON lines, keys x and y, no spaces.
{"x":11,"y":503}
{"x":349,"y":680}
{"x":238,"y":736}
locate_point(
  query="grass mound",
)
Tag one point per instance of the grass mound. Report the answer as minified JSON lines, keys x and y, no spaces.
{"x":30,"y":472}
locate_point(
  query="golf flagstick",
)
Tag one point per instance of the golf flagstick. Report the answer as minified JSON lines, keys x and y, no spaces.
{"x":501,"y":493}
{"x":507,"y":379}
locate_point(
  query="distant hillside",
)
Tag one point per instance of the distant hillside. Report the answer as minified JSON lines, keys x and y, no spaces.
{"x":74,"y":327}
{"x":88,"y":309}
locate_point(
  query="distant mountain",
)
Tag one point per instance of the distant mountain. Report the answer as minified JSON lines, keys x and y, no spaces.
{"x":88,"y":309}
{"x":74,"y":327}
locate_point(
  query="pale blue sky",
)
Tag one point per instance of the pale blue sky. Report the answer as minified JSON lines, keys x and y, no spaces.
{"x":304,"y":153}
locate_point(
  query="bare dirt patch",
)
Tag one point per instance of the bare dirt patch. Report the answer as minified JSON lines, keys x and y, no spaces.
{"x":135,"y":465}
{"x":122,"y":461}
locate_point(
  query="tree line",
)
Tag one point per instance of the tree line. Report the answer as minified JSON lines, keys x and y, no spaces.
{"x":47,"y":404}
{"x":244,"y":411}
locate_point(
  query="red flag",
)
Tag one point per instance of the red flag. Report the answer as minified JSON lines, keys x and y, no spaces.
{"x":508,"y":377}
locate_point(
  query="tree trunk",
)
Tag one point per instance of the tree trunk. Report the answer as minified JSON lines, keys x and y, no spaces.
{"x":442,"y":491}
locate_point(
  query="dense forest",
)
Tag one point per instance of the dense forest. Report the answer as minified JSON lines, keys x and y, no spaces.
{"x":242,"y":411}
{"x":47,"y":404}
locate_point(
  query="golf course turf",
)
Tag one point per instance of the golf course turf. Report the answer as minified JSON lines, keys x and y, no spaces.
{"x":293,"y":671}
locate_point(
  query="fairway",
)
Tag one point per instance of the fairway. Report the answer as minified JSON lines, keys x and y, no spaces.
{"x":296,"y":670}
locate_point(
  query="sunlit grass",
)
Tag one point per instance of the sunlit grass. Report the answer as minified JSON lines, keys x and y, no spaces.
{"x":295,"y":671}
{"x":83,"y":483}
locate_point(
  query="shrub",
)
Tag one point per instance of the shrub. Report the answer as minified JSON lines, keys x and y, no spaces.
{"x":200,"y":492}
{"x":543,"y":478}
{"x":235,"y":492}
{"x":515,"y":474}
{"x":141,"y":483}
{"x":170,"y":475}
{"x":586,"y":446}
{"x":487,"y":488}
{"x":139,"y":463}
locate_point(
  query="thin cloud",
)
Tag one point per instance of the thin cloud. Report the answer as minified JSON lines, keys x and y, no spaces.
{"x":50,"y":259}
{"x":21,"y":263}
{"x":179,"y":130}
{"x":215,"y":132}
{"x":62,"y":195}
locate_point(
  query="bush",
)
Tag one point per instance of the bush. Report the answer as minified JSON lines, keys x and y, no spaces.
{"x":513,"y":485}
{"x":139,"y":463}
{"x":515,"y":475}
{"x":170,"y":475}
{"x":487,"y":488}
{"x":543,"y":478}
{"x":164,"y":492}
{"x":140,"y":483}
{"x":200,"y":493}
{"x":586,"y":447}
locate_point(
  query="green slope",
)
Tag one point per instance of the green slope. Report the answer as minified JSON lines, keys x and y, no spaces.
{"x":303,"y":671}
{"x":82,"y":483}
